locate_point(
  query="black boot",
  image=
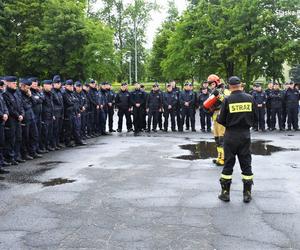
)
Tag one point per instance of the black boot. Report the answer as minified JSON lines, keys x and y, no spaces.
{"x":247,"y":190}
{"x":27,"y":157}
{"x":2,"y":171}
{"x":81,"y":143}
{"x":6,"y":164}
{"x":225,"y":193}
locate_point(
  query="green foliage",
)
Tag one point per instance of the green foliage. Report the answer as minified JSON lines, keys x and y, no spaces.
{"x":19,"y":20}
{"x":295,"y":74}
{"x":99,"y":58}
{"x":160,"y":44}
{"x":122,"y":19}
{"x":55,"y":37}
{"x":249,"y":38}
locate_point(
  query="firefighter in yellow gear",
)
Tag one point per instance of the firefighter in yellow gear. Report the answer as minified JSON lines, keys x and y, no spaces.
{"x":213,"y":104}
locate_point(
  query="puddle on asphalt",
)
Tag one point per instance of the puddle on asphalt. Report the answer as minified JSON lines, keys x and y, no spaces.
{"x":56,"y":182}
{"x":50,"y":163}
{"x":28,"y":176}
{"x":293,"y":165}
{"x":207,"y":149}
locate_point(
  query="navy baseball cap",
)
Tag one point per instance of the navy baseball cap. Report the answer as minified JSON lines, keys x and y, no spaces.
{"x":11,"y":78}
{"x":234,"y":80}
{"x":69,"y":82}
{"x":47,"y":82}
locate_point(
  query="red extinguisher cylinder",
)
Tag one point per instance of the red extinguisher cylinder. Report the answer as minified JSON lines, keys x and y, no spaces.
{"x":210,"y":102}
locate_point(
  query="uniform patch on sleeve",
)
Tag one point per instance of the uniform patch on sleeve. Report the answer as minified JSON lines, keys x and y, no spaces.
{"x":240,"y":107}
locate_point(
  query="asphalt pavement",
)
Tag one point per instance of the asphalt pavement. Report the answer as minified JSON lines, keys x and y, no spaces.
{"x":153,"y":191}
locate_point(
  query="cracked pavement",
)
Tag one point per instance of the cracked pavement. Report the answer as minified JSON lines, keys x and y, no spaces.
{"x":130,"y":193}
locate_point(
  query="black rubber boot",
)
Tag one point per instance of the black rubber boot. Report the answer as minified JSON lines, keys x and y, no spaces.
{"x":247,"y":190}
{"x":225,"y":193}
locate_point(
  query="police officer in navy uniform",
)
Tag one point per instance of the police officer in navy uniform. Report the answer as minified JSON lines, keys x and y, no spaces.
{"x":123,"y":105}
{"x":72,"y":116}
{"x":291,"y":99}
{"x":269,"y":105}
{"x":3,"y":119}
{"x":48,"y":116}
{"x":58,"y":113}
{"x":187,"y":122}
{"x":145,"y":114}
{"x":237,"y":116}
{"x":176,"y":90}
{"x":87,"y":130}
{"x":138,"y":101}
{"x":111,"y":96}
{"x":16,"y":115}
{"x":276,"y":98}
{"x":161,"y":112}
{"x":205,"y":117}
{"x":170,"y":101}
{"x":79,"y":93}
{"x":94,"y":108}
{"x":187,"y":103}
{"x":37,"y":107}
{"x":30,"y":135}
{"x":103,"y":113}
{"x":260,"y":100}
{"x":153,"y":107}
{"x":284,"y":111}
{"x":193,"y":125}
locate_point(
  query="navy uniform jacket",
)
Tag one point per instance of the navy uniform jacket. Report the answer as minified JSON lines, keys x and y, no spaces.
{"x":94,"y":100}
{"x":154,"y":101}
{"x":86,"y":93}
{"x":146,"y":97}
{"x":103,"y":97}
{"x":37,"y":99}
{"x":13,"y":103}
{"x":268,"y":93}
{"x":292,"y":97}
{"x":111,"y":97}
{"x":138,"y":97}
{"x":48,"y":107}
{"x":177,"y":92}
{"x":170,"y":98}
{"x":202,"y":98}
{"x":196,"y":99}
{"x":3,"y":109}
{"x":123,"y":100}
{"x":58,"y":103}
{"x":82,"y":100}
{"x":187,"y":96}
{"x":260,"y":98}
{"x":276,"y":98}
{"x":27,"y":102}
{"x":71,"y":104}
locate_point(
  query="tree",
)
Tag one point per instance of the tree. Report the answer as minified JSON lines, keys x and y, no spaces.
{"x":58,"y":47}
{"x":122,"y":19}
{"x":99,"y":59}
{"x":158,"y":53}
{"x":19,"y":20}
{"x":2,"y":32}
{"x":295,"y":74}
{"x":248,"y":38}
{"x":115,"y":15}
{"x":44,"y":38}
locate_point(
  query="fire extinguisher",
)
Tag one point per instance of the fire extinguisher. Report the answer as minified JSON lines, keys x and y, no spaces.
{"x":211,"y":101}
